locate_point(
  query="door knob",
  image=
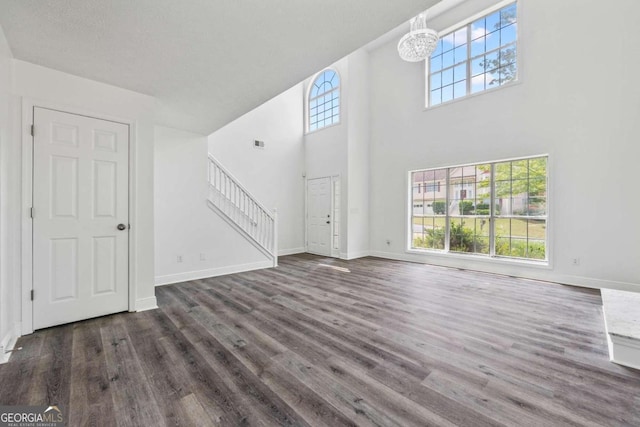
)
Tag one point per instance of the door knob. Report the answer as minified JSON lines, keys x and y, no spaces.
{"x":328,"y":222}
{"x":121,"y":227}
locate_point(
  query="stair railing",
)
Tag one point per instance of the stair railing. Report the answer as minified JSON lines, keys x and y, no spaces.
{"x":239,"y":207}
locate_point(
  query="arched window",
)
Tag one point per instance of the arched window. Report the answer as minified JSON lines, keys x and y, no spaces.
{"x":324,"y":100}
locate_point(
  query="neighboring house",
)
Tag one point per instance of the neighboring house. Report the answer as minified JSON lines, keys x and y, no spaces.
{"x":430,"y":187}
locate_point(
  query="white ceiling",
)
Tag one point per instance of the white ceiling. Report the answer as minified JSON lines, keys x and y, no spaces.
{"x":207,"y":61}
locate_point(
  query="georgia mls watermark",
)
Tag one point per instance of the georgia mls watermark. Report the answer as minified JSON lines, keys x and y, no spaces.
{"x":31,"y":416}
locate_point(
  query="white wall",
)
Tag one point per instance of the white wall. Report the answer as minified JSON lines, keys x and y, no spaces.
{"x":65,"y":91}
{"x":577,"y":101}
{"x":343,"y":150}
{"x":327,"y":150}
{"x":9,"y":197}
{"x":358,"y":141}
{"x":184,"y":225}
{"x":273,"y":174}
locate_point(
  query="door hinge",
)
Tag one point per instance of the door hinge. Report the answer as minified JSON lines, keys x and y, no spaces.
{"x":33,"y":130}
{"x":31,"y":212}
{"x":32,"y":293}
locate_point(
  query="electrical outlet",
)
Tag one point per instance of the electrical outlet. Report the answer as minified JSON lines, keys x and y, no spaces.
{"x":179,"y":259}
{"x":575,"y":261}
{"x":203,"y":257}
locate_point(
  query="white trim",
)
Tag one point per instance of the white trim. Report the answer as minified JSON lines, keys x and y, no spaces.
{"x":622,"y":350}
{"x":324,"y":255}
{"x":324,"y":127}
{"x":336,"y":252}
{"x":332,"y":252}
{"x":212,"y":272}
{"x":354,"y":255}
{"x":144,"y":304}
{"x":248,"y":237}
{"x":291,"y":251}
{"x":409,"y":249}
{"x":307,"y":101}
{"x":512,"y":83}
{"x":274,"y":248}
{"x":515,"y":269}
{"x":133,"y":220}
{"x":218,"y":164}
{"x":7,"y":344}
{"x":481,"y":258}
{"x":462,"y":165}
{"x":481,"y":14}
{"x":26,"y":285}
{"x":464,"y":23}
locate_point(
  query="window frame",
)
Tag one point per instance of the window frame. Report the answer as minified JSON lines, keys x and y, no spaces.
{"x":461,"y":24}
{"x":491,"y":257}
{"x":307,"y":103}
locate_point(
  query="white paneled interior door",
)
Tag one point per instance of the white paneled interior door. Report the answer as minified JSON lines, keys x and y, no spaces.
{"x":319,"y":216}
{"x":80,"y":217}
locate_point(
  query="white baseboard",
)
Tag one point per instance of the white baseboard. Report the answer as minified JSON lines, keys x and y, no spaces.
{"x":212,"y":272}
{"x":353,"y":255}
{"x":590,"y":282}
{"x":524,"y":271}
{"x":144,"y":304}
{"x":292,"y":251}
{"x":624,"y":351}
{"x":7,"y":344}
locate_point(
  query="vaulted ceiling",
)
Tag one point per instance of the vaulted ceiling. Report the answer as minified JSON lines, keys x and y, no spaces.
{"x":206,"y":61}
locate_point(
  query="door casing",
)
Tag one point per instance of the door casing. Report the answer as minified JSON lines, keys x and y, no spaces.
{"x":26,"y":285}
{"x":334,"y":253}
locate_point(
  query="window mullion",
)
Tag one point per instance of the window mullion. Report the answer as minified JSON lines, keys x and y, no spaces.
{"x":501,"y":206}
{"x":468,"y":59}
{"x":469,"y":87}
{"x":447,"y":221}
{"x":526,"y":248}
{"x":492,"y":204}
{"x":428,"y":81}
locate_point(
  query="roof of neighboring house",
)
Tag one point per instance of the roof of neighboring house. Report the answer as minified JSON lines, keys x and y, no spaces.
{"x":441,"y":174}
{"x":430,"y":176}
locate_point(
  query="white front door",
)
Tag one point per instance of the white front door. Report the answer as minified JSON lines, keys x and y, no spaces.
{"x":80,"y":217}
{"x":319,"y":216}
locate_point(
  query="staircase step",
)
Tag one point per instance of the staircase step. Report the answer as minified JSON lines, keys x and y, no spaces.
{"x":622,"y":323}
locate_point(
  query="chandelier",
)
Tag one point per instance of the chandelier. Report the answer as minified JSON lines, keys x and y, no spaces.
{"x":418,"y":43}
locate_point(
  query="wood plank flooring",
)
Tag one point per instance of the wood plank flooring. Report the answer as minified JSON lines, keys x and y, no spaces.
{"x":369,"y":343}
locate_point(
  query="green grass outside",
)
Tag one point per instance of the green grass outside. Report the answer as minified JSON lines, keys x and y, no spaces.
{"x":504,"y":227}
{"x":473,"y":236}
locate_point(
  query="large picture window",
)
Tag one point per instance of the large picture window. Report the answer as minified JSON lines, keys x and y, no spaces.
{"x":494,"y":209}
{"x":476,"y":57}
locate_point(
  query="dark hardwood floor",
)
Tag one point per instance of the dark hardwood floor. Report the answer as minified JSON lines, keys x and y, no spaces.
{"x":371,"y":342}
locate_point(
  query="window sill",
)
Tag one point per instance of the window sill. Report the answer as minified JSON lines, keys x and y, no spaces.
{"x":473,"y":95}
{"x":309,"y":132}
{"x":541,"y":264}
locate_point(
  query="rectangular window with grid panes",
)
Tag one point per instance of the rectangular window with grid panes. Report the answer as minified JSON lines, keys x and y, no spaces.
{"x":478,"y":56}
{"x":495,"y":209}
